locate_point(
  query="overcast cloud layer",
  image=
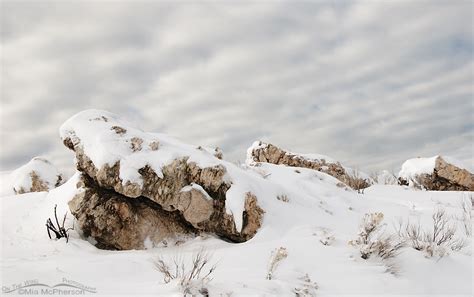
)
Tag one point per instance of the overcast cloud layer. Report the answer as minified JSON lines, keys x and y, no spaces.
{"x":368,"y":84}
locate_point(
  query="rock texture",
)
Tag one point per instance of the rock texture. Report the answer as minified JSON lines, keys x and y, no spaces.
{"x":38,"y":175}
{"x":269,"y":153}
{"x":444,"y":177}
{"x":181,"y":196}
{"x":119,"y":223}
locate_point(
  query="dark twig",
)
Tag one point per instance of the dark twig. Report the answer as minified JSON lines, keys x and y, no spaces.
{"x":58,"y":229}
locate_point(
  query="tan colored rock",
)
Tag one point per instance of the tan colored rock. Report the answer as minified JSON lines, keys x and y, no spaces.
{"x":117,"y":222}
{"x":458,"y":177}
{"x":444,"y":177}
{"x":194,"y":194}
{"x":136,"y":144}
{"x":195,"y":206}
{"x":269,"y":153}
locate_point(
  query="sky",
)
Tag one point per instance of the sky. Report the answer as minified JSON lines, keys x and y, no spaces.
{"x":368,"y":83}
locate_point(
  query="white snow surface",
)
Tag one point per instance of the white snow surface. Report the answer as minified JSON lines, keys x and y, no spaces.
{"x":21,"y":177}
{"x":315,"y":208}
{"x":417,"y":166}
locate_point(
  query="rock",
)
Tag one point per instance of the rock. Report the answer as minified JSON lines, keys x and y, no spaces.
{"x":436,"y":174}
{"x":269,"y":153}
{"x":38,"y":175}
{"x":120,"y":223}
{"x":144,"y":170}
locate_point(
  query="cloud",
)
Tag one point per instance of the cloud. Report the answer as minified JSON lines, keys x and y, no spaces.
{"x":370,"y":84}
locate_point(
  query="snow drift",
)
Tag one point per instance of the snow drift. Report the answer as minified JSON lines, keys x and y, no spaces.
{"x":37,"y":175}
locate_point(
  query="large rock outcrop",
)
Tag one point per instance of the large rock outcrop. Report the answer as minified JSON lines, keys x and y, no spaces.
{"x":37,"y":175}
{"x":436,"y":174}
{"x":139,"y":186}
{"x":269,"y":153}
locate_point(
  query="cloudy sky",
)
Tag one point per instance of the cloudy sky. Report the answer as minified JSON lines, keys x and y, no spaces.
{"x":370,"y":84}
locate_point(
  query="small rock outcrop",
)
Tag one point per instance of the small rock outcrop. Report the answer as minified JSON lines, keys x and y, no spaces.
{"x":436,"y":174}
{"x":38,"y":175}
{"x":138,"y":186}
{"x":269,"y":153}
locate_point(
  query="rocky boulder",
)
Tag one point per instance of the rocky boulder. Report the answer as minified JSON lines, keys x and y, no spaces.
{"x":436,"y":174}
{"x":269,"y":153}
{"x":139,"y":186}
{"x":37,"y":175}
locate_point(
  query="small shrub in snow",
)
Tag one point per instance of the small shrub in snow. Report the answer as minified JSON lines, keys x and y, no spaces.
{"x":372,"y":241}
{"x":192,"y":279}
{"x":356,"y":182}
{"x":307,"y":287}
{"x":467,"y":204}
{"x":325,"y":236}
{"x":283,"y":198}
{"x":370,"y":223}
{"x":59,"y":230}
{"x":276,"y":257}
{"x":436,"y":241}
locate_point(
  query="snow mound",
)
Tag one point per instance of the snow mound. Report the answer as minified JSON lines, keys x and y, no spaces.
{"x":37,"y":175}
{"x":417,"y":166}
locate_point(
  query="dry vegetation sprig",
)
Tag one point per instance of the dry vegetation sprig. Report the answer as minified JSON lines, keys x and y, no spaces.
{"x":59,"y":230}
{"x":307,"y":287}
{"x":276,"y":257}
{"x":193,"y":278}
{"x":437,"y":240}
{"x":372,"y":241}
{"x":356,"y":182}
{"x":467,"y":205}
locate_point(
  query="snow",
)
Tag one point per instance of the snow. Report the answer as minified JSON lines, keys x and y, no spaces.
{"x":417,"y":166}
{"x":21,"y":178}
{"x":309,"y":213}
{"x":316,"y":208}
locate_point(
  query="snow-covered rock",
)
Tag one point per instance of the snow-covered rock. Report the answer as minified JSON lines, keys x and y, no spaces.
{"x":261,"y":152}
{"x":437,"y":173}
{"x":209,"y":194}
{"x":37,"y":175}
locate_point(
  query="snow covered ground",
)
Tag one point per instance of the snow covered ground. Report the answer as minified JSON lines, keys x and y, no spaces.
{"x":313,"y":218}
